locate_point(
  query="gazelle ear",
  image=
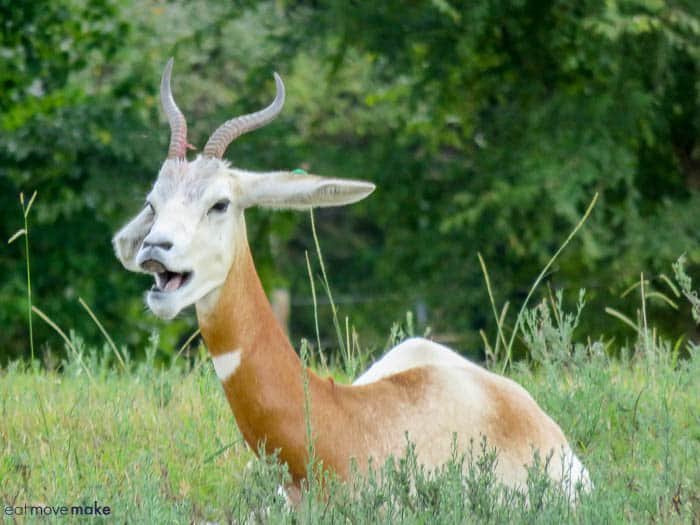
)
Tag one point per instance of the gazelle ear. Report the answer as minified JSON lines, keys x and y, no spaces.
{"x":299,"y":191}
{"x":128,"y":240}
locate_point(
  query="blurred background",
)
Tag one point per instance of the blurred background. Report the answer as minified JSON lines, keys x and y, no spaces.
{"x":487,"y":126}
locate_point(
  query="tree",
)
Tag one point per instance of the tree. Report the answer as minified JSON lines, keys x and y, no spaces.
{"x":487,"y":127}
{"x":496,"y":124}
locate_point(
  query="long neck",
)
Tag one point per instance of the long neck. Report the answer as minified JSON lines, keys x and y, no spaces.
{"x":260,"y":372}
{"x":241,"y":317}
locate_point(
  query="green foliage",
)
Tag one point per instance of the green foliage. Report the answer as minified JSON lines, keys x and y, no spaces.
{"x":158,"y":443}
{"x":547,"y":330}
{"x":487,"y":126}
{"x":80,"y":123}
{"x":500,"y":121}
{"x":686,"y":284}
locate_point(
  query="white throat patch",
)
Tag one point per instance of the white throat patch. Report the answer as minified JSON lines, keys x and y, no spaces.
{"x":226,"y":364}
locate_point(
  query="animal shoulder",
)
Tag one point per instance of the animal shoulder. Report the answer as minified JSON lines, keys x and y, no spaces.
{"x":412,"y":353}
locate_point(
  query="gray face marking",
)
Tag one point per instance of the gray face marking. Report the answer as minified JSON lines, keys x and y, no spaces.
{"x":192,"y":226}
{"x":188,"y":245}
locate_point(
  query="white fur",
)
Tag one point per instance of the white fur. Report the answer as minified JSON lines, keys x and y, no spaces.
{"x":203,"y":241}
{"x":413,"y":352}
{"x":573,"y":474}
{"x":226,"y":364}
{"x":299,"y":191}
{"x":461,"y":395}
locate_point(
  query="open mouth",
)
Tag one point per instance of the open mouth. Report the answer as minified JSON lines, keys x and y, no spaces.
{"x":168,"y":281}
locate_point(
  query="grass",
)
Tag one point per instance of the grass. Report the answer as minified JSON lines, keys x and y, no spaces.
{"x":24,"y":232}
{"x":157,"y":444}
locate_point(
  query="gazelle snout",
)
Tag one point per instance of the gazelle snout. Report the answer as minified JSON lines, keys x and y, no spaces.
{"x":157,"y":238}
{"x":163,"y":245}
{"x":153,"y":258}
{"x":152,"y":253}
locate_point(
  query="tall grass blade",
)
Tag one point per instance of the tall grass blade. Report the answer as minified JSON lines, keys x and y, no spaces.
{"x":622,"y":317}
{"x":630,"y":288}
{"x":211,"y":457}
{"x":490,"y":354}
{"x":670,"y":284}
{"x":25,"y":231}
{"x":663,"y":297}
{"x":101,"y":328}
{"x":315,"y":303}
{"x":334,"y":310}
{"x":644,"y":313}
{"x":499,"y":320}
{"x":66,"y":340}
{"x":29,"y":204}
{"x":16,"y":235}
{"x":518,"y":320}
{"x":186,"y":344}
{"x":676,"y":351}
{"x":310,"y":449}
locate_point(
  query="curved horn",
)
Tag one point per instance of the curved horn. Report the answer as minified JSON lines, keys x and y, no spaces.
{"x":178,"y":124}
{"x":234,"y":128}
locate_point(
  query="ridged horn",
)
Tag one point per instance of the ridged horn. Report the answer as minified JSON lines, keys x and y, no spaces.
{"x":234,"y":128}
{"x":178,"y":124}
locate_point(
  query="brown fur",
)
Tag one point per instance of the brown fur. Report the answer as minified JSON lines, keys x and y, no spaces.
{"x":518,"y":419}
{"x":266,"y":392}
{"x":266,"y":396}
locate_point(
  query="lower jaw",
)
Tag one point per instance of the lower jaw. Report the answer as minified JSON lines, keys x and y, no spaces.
{"x":162,"y":305}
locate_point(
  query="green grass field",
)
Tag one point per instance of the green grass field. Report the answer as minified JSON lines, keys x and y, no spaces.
{"x":158,"y":444}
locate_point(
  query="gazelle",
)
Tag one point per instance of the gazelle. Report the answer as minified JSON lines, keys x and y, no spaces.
{"x":191,"y":235}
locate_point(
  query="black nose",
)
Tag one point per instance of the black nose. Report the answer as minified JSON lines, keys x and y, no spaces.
{"x":164,"y":245}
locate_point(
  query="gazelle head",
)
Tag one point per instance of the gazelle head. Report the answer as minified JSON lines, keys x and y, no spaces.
{"x":191,"y":227}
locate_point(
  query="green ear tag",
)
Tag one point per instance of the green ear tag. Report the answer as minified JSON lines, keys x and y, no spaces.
{"x":299,"y":171}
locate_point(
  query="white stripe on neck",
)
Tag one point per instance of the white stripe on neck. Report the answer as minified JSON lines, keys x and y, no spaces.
{"x":226,"y":364}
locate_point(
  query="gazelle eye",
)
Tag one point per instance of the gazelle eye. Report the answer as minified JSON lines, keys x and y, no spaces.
{"x":220,"y":207}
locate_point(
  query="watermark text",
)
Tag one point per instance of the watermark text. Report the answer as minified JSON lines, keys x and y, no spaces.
{"x":57,"y":510}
